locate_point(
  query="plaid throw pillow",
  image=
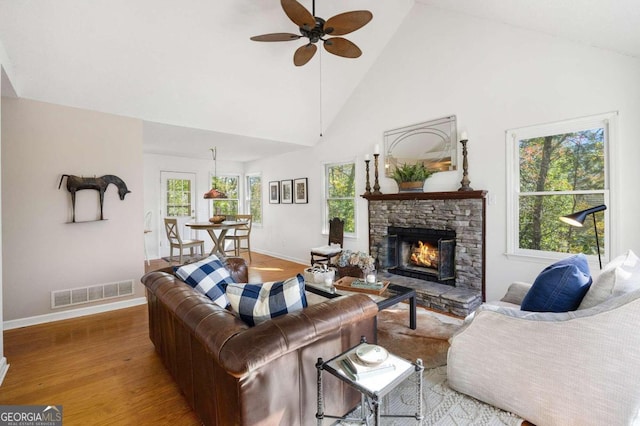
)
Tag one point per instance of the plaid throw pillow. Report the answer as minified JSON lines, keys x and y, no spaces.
{"x":208,"y":276}
{"x":257,"y":303}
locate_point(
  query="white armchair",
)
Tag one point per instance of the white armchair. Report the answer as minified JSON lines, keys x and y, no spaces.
{"x":572,"y":368}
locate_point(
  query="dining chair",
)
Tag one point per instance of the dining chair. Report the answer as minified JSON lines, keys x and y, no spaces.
{"x":336,"y":238}
{"x":173,"y":235}
{"x":239,"y":234}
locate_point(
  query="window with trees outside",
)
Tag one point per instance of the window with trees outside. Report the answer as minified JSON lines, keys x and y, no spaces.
{"x":340,"y":193}
{"x":254,"y":197}
{"x":228,"y":185}
{"x":178,"y":193}
{"x":555,"y":170}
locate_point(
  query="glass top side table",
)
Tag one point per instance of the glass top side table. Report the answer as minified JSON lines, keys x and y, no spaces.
{"x":372,"y":387}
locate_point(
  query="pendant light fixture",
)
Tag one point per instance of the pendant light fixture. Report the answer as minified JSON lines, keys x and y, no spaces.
{"x":214,"y":192}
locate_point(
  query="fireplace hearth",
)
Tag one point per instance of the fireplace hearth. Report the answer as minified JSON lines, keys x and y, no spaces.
{"x":423,"y":253}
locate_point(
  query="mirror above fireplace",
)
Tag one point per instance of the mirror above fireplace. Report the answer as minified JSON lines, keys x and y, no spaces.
{"x":432,"y":143}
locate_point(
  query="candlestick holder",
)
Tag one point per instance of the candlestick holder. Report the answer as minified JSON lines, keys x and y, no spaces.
{"x":465,"y":178}
{"x":376,"y":184}
{"x":368,"y":187}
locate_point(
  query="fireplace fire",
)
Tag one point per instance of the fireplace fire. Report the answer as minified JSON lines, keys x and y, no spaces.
{"x":427,"y":254}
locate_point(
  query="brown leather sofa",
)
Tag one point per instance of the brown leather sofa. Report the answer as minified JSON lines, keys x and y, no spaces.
{"x":233,"y":374}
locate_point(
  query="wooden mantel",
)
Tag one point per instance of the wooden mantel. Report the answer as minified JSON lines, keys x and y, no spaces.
{"x":449,"y":195}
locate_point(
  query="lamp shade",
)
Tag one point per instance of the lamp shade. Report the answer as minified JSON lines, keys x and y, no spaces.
{"x":214,"y":193}
{"x":578,"y":218}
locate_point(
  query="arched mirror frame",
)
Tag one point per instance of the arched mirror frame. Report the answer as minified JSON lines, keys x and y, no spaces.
{"x":432,"y":143}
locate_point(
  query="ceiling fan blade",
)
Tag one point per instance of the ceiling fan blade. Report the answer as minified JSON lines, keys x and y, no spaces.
{"x":298,"y":14}
{"x":347,"y":22}
{"x":276,"y":37}
{"x":304,"y":54}
{"x":342,"y":47}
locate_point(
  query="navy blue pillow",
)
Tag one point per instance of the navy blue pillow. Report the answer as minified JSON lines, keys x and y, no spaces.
{"x":559,"y":287}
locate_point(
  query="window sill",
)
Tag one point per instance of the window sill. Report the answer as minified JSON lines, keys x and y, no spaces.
{"x":547,"y":258}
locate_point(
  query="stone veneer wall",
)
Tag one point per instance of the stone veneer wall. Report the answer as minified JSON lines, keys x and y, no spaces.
{"x":463,"y":212}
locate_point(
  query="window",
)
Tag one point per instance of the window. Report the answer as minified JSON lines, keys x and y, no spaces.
{"x":557,"y":169}
{"x":340,"y":193}
{"x":178,"y":197}
{"x":254,"y":197}
{"x":228,"y":185}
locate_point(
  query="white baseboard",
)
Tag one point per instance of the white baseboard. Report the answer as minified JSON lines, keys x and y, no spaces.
{"x":281,"y":256}
{"x":73,"y":313}
{"x":4,"y":367}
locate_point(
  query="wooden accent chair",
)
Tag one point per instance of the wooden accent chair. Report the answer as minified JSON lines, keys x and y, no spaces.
{"x":336,"y":238}
{"x":240,"y":234}
{"x":173,"y":235}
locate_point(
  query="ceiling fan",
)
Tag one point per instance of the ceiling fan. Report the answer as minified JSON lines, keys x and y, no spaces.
{"x":316,"y":29}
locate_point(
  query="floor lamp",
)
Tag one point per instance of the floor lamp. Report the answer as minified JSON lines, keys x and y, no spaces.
{"x":577,"y":219}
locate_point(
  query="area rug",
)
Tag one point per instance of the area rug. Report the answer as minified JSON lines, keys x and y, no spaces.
{"x":185,"y":259}
{"x":429,"y":341}
{"x":442,"y":406}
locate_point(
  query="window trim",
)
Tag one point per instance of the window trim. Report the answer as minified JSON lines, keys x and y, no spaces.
{"x":609,"y":120}
{"x":239,"y":199}
{"x":247,"y":196}
{"x":325,"y":198}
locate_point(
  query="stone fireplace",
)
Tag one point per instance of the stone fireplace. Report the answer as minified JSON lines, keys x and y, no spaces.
{"x":456,"y":221}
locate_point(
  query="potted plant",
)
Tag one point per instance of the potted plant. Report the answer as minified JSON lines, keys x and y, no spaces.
{"x":411,"y":177}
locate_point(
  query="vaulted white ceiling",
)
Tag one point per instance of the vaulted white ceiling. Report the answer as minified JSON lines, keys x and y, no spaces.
{"x":189,"y":70}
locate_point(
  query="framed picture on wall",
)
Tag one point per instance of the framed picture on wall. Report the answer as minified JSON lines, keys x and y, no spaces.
{"x":274,"y":192}
{"x":300,"y":193}
{"x":286,"y":191}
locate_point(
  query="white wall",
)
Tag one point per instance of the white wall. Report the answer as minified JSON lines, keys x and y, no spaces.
{"x":39,"y":143}
{"x":154,"y":164}
{"x":493,"y":77}
{"x":3,"y":359}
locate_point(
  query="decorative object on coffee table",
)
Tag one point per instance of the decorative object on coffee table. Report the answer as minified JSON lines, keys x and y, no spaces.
{"x":354,"y":264}
{"x":360,"y":286}
{"x":465,"y":166}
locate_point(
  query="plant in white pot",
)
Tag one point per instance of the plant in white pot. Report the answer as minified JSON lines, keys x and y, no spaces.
{"x":411,"y":177}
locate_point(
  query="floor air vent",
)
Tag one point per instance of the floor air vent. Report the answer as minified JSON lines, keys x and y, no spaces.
{"x":80,"y":295}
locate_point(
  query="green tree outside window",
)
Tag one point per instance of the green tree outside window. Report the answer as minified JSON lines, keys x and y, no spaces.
{"x":228,"y":185}
{"x":341,"y":193}
{"x":559,"y":173}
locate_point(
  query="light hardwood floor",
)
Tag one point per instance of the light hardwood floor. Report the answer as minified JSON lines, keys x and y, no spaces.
{"x":103,"y":368}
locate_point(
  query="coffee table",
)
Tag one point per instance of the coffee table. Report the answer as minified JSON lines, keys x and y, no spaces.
{"x":393,"y":295}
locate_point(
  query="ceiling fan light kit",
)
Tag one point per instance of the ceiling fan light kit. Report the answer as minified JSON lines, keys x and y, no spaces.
{"x":317,"y":29}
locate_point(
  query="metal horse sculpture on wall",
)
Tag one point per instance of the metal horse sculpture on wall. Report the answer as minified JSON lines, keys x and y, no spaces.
{"x":100,"y":184}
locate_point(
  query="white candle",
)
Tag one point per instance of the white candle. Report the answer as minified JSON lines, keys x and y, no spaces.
{"x":376,"y":149}
{"x":464,"y":136}
{"x":367,"y":157}
{"x":371,"y":278}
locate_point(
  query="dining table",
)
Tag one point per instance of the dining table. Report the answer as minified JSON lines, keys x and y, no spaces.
{"x":211,"y":228}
